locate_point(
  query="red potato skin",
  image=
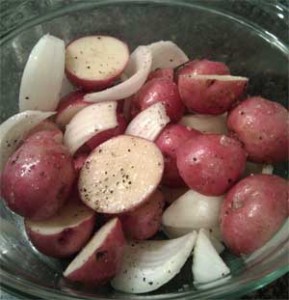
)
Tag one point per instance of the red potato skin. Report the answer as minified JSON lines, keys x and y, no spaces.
{"x":170,"y":139}
{"x":104,"y":264}
{"x":78,"y":162}
{"x":167,"y":73}
{"x":144,"y":221}
{"x":159,"y":90}
{"x":70,"y":104}
{"x":38,"y":177}
{"x":90,"y":85}
{"x":253,"y":211}
{"x":202,"y":67}
{"x":211,"y":163}
{"x":206,"y":96}
{"x":106,"y":135}
{"x":65,"y":243}
{"x":263,"y":127}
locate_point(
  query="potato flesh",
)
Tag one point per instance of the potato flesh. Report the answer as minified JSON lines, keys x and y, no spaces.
{"x":69,"y":216}
{"x":96,"y":58}
{"x":120,"y":174}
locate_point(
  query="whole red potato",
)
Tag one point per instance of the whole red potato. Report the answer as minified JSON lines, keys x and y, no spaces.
{"x":38,"y":177}
{"x":144,"y":221}
{"x":263,"y":127}
{"x":167,"y":73}
{"x":253,"y":210}
{"x":211,"y":163}
{"x":159,"y":90}
{"x":170,"y":139}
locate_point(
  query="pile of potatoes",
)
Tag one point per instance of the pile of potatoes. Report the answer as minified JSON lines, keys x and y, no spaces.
{"x":86,"y":180}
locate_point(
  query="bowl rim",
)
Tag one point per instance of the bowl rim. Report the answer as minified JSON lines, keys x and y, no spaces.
{"x":22,"y":287}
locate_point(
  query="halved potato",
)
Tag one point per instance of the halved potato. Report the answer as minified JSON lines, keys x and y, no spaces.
{"x":94,"y":62}
{"x":100,"y":259}
{"x":120,"y":174}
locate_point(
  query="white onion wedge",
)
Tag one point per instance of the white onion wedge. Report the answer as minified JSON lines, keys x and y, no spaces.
{"x":192,"y":211}
{"x":150,"y":264}
{"x":167,"y":54}
{"x":137,"y":70}
{"x":15,"y":129}
{"x":207,"y":264}
{"x":217,"y":77}
{"x":267,"y":169}
{"x":215,"y":242}
{"x":206,"y":123}
{"x":43,"y":75}
{"x":149,"y":123}
{"x":90,"y":121}
{"x":66,"y":88}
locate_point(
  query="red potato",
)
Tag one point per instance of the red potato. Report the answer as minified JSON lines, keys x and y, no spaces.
{"x":120,"y":174}
{"x":95,"y":62}
{"x":171,"y":138}
{"x":211,"y":94}
{"x":263,"y":127}
{"x":159,"y":90}
{"x":68,"y":107}
{"x":202,"y":67}
{"x":38,"y":177}
{"x":106,"y":135}
{"x":210,"y":164}
{"x":65,"y":233}
{"x":167,"y":73}
{"x":253,"y":210}
{"x":144,"y":221}
{"x":100,"y":259}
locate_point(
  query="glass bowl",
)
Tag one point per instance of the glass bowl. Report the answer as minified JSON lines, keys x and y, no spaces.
{"x":250,"y":36}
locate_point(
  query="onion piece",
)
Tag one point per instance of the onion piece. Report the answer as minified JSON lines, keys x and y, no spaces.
{"x":43,"y":75}
{"x":149,"y":123}
{"x":206,"y":123}
{"x":207,"y":264}
{"x":192,"y":211}
{"x":267,"y":169}
{"x":66,"y":88}
{"x":148,"y":265}
{"x":137,"y":70}
{"x":215,"y":242}
{"x":167,"y":54}
{"x":15,"y":129}
{"x":90,"y":121}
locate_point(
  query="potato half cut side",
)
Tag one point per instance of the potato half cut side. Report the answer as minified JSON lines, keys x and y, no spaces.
{"x":120,"y":174}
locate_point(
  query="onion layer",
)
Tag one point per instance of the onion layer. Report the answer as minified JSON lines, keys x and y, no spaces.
{"x":90,"y":121}
{"x":137,"y":70}
{"x":148,"y":265}
{"x":149,"y":123}
{"x":166,"y":54}
{"x":43,"y":75}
